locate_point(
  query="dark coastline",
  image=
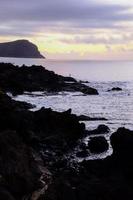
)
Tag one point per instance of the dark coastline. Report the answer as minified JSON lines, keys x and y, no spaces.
{"x":19,"y":49}
{"x":34,"y":145}
{"x":36,"y":78}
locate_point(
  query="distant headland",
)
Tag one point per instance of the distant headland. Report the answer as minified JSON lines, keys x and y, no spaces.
{"x":20,"y":49}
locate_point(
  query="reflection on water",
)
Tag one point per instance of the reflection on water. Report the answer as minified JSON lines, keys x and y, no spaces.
{"x":117,"y":107}
{"x":86,"y":70}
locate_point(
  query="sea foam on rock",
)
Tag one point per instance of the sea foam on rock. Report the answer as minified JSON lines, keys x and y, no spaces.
{"x":109,"y":179}
{"x":35,"y":143}
{"x":23,"y":134}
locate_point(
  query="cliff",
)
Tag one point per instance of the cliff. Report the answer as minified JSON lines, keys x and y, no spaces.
{"x":19,"y":49}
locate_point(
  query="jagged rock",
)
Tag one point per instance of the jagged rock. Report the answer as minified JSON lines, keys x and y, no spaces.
{"x":22,"y":132}
{"x":36,"y":78}
{"x":110,"y":178}
{"x":80,"y":87}
{"x":44,"y":124}
{"x":63,"y":125}
{"x":89,"y":90}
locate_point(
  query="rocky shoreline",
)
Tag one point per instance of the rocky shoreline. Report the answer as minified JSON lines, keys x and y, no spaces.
{"x":22,"y":134}
{"x":36,"y":78}
{"x":34,"y":146}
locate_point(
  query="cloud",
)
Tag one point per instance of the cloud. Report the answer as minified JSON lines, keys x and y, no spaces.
{"x":99,"y":38}
{"x":69,"y":26}
{"x":30,"y":16}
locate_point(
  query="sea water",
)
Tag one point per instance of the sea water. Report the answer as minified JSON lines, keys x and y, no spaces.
{"x":115,"y":106}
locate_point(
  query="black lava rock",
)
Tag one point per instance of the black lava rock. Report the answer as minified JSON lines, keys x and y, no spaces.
{"x":115,"y":89}
{"x":36,"y":78}
{"x":101,"y":129}
{"x":98,"y":145}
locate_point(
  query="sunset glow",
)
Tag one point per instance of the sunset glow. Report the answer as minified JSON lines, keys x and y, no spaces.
{"x":83,"y":30}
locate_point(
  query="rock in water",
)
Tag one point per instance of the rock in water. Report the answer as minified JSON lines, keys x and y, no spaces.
{"x":101,"y":129}
{"x":87,"y":118}
{"x":122,"y":143}
{"x":19,"y":49}
{"x":115,"y":89}
{"x":98,"y":144}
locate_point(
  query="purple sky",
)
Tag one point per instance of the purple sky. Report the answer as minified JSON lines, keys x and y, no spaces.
{"x":67,"y":29}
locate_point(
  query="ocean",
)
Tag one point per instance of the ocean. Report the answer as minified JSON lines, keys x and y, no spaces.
{"x":102,"y":71}
{"x":116,"y":106}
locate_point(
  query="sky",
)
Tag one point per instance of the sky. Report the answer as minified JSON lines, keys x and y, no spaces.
{"x":71,"y":29}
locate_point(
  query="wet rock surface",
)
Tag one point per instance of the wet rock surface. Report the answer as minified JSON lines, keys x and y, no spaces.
{"x":36,"y":78}
{"x":98,"y":144}
{"x":122,"y":143}
{"x":87,"y":118}
{"x":115,"y":89}
{"x":50,"y":175}
{"x":83,"y":153}
{"x":111,"y":178}
{"x":23,"y":134}
{"x":101,"y":129}
{"x":33,"y":154}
